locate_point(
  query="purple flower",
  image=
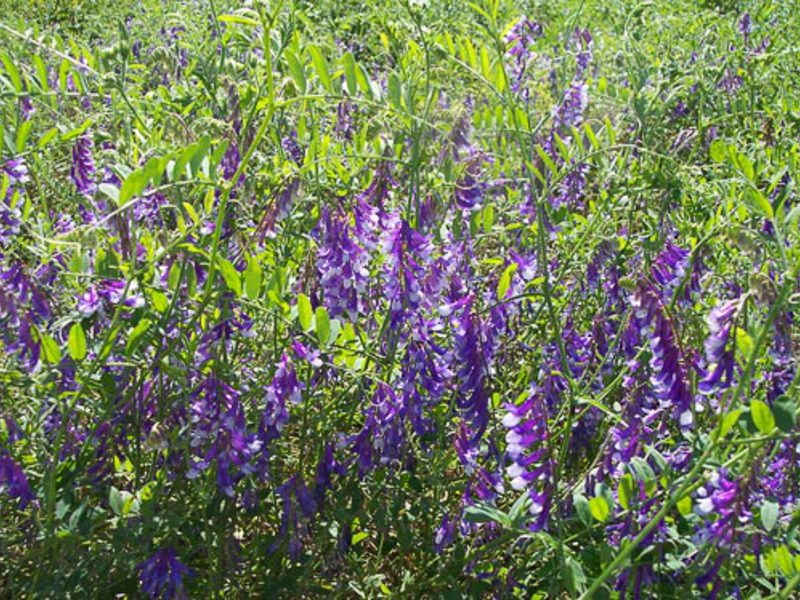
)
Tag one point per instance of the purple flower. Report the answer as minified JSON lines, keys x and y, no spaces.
{"x":527,"y":446}
{"x":407,"y":251}
{"x":745,"y":27}
{"x":668,"y":378}
{"x":293,"y":528}
{"x":570,"y":190}
{"x":669,"y":270}
{"x":326,"y":468}
{"x":284,"y":388}
{"x":445,"y":534}
{"x":472,"y":397}
{"x":13,"y":482}
{"x":470,"y":190}
{"x":89,"y":302}
{"x":343,"y":266}
{"x":583,"y":39}
{"x":569,"y":112}
{"x":219,"y":434}
{"x":381,"y":440}
{"x":724,"y":501}
{"x":719,"y":359}
{"x":521,"y":40}
{"x":24,"y":310}
{"x":83,"y":169}
{"x":161,"y":575}
{"x":290,"y":145}
{"x":731,"y":83}
{"x":13,"y":177}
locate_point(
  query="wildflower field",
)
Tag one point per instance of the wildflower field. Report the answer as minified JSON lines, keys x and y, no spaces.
{"x":399,"y":298}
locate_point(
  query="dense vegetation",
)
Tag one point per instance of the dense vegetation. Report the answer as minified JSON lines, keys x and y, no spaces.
{"x":388,"y":298}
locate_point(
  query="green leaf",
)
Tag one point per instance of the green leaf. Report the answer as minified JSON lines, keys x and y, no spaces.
{"x":769,"y":515}
{"x":304,"y":313}
{"x":13,"y":73}
{"x":133,"y":185}
{"x":504,"y":283}
{"x":394,"y":92}
{"x":784,"y":558}
{"x":47,"y":137}
{"x":746,"y":166}
{"x":297,"y":71}
{"x":50,"y":349}
{"x":138,"y":331}
{"x":252,"y":278}
{"x":484,"y":513}
{"x":192,"y":155}
{"x":159,"y":300}
{"x":349,"y":64}
{"x":23,"y":132}
{"x":232,"y":278}
{"x":110,"y":191}
{"x":488,"y":218}
{"x":743,"y":342}
{"x":625,"y":491}
{"x":718,"y":151}
{"x":321,"y":67}
{"x":238,"y":19}
{"x":581,"y":504}
{"x":323,"y":324}
{"x":519,"y":510}
{"x":761,"y":204}
{"x":116,"y":501}
{"x":599,"y":508}
{"x":728,"y":421}
{"x":785,"y":411}
{"x":546,"y":159}
{"x":762,"y":416}
{"x":76,"y":343}
{"x":685,"y":505}
{"x":362,"y":78}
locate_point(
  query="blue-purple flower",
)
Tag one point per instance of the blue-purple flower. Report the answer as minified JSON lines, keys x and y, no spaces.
{"x":162,"y":575}
{"x":83,"y":169}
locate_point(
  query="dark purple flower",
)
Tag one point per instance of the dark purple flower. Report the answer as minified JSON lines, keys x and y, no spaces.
{"x":719,"y":357}
{"x":669,"y":378}
{"x":298,"y":507}
{"x":472,"y":397}
{"x":407,"y":253}
{"x":527,"y":446}
{"x":219,"y":434}
{"x":13,"y":177}
{"x":161,"y":576}
{"x":445,"y":534}
{"x":724,"y":501}
{"x":14,"y":483}
{"x":343,"y":266}
{"x":381,"y":440}
{"x":284,"y":388}
{"x":669,"y":270}
{"x":83,"y":169}
{"x":569,"y":112}
{"x":290,"y":145}
{"x":745,"y":27}
{"x":470,"y":190}
{"x":731,"y":83}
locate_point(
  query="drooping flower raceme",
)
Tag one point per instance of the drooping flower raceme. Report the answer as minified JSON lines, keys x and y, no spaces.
{"x":669,"y":377}
{"x":527,"y":445}
{"x":719,"y":357}
{"x":82,"y":171}
{"x":13,"y":177}
{"x":13,"y":481}
{"x":161,"y":576}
